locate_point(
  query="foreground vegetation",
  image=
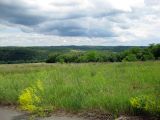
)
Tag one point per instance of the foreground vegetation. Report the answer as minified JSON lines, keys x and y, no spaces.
{"x":116,"y":88}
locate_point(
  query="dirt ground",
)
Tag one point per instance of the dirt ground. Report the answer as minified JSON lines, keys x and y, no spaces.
{"x":7,"y":113}
{"x":12,"y":114}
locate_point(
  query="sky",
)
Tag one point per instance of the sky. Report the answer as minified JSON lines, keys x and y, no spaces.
{"x":79,"y":22}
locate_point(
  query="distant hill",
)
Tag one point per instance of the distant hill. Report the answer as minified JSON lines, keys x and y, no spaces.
{"x":40,"y":54}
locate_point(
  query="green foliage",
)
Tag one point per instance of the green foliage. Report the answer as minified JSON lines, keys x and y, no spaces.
{"x":130,"y":57}
{"x":78,"y":54}
{"x":11,"y":55}
{"x":75,"y":87}
{"x":155,"y":50}
{"x":133,"y":54}
{"x":30,"y":99}
{"x":138,"y":54}
{"x":84,"y":57}
{"x":146,"y":105}
{"x":52,"y":58}
{"x":20,"y":55}
{"x":91,"y":56}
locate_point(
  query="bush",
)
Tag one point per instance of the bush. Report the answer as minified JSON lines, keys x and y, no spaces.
{"x":130,"y":57}
{"x":52,"y":58}
{"x":30,"y":100}
{"x":155,"y":50}
{"x":145,"y":105}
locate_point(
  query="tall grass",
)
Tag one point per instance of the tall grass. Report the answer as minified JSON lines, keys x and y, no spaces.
{"x":82,"y":86}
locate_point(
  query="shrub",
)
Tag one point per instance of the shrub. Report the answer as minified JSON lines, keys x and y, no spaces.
{"x":130,"y":57}
{"x":146,"y":105}
{"x":155,"y":50}
{"x":52,"y":58}
{"x":29,"y":99}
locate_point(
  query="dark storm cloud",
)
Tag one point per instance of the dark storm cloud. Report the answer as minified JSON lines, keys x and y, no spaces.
{"x":79,"y":31}
{"x":75,"y":27}
{"x":18,"y":13}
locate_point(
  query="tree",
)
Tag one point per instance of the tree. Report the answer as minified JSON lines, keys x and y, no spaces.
{"x":155,"y":50}
{"x":52,"y":58}
{"x":130,"y":57}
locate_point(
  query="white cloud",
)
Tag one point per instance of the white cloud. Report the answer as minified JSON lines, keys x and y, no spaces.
{"x":79,"y":22}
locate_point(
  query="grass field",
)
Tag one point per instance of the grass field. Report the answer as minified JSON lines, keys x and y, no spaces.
{"x":105,"y":86}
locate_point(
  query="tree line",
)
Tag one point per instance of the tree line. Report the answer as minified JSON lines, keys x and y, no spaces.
{"x":133,"y":54}
{"x":78,"y":54}
{"x":10,"y":55}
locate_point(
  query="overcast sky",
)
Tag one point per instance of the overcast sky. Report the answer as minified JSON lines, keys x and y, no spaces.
{"x":79,"y":22}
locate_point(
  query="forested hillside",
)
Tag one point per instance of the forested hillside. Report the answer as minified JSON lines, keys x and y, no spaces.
{"x":40,"y":54}
{"x":78,"y":54}
{"x":151,"y":52}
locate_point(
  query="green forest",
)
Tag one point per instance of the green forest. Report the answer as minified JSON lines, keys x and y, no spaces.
{"x":78,"y":54}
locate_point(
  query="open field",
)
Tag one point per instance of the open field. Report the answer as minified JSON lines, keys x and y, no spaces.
{"x":74,"y":87}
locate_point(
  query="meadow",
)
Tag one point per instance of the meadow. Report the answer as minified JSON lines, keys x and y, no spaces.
{"x":84,"y":86}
